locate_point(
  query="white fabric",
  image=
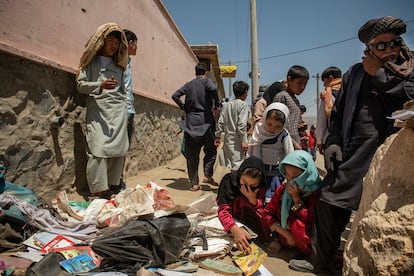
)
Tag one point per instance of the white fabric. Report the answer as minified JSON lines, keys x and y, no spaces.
{"x":259,"y":132}
{"x":321,"y":131}
{"x":270,"y":154}
{"x":129,"y":203}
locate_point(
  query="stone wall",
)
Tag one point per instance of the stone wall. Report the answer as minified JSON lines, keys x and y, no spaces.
{"x":381,"y":241}
{"x":41,"y":123}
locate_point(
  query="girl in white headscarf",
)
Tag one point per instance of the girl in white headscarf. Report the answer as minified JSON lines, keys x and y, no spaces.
{"x":271,"y":142}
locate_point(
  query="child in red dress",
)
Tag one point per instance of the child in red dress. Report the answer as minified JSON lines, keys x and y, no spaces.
{"x":290,"y":211}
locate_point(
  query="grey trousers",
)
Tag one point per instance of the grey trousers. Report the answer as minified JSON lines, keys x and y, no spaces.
{"x":102,"y":172}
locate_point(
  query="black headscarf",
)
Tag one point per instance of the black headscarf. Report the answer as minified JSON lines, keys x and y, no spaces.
{"x":230,"y":184}
{"x":271,"y":91}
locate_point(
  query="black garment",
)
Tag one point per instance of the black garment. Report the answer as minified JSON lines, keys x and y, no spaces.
{"x":142,"y":243}
{"x":229,"y":187}
{"x":192,"y":153}
{"x":359,"y":126}
{"x":201,"y":96}
{"x":329,"y":223}
{"x":271,"y":92}
{"x":130,"y":127}
{"x":240,"y":208}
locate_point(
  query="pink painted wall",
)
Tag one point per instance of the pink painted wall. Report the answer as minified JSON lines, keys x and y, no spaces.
{"x":55,"y":32}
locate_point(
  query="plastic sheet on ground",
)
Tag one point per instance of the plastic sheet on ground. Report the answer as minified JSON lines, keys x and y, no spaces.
{"x":142,"y":243}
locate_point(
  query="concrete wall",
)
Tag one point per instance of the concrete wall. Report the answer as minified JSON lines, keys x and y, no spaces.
{"x":40,"y":45}
{"x":55,"y":32}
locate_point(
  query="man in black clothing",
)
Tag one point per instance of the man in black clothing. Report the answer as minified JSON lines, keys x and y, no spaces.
{"x":201,"y":99}
{"x":370,"y":92}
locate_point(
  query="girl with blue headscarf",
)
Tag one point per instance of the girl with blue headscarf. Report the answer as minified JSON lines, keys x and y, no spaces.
{"x":290,"y":211}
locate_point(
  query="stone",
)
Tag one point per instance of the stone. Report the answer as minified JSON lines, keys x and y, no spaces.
{"x":382,"y":234}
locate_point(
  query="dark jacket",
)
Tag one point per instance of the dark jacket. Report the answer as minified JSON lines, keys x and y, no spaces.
{"x":380,"y":94}
{"x":201,"y":96}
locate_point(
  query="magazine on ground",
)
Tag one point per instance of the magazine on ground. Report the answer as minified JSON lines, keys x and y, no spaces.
{"x":57,"y":242}
{"x":76,"y":250}
{"x":39,"y":239}
{"x":79,"y":264}
{"x":249,"y":264}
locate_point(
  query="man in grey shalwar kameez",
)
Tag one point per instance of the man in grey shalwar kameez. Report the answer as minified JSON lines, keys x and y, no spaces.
{"x":101,"y":78}
{"x":370,"y":92}
{"x":201,"y":97}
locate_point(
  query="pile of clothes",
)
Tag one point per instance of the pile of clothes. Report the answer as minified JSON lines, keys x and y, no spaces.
{"x":140,"y":230}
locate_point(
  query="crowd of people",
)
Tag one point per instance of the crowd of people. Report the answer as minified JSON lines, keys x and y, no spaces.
{"x":273,"y":186}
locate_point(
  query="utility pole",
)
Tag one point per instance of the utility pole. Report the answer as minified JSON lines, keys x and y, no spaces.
{"x":317,"y":91}
{"x":229,"y":84}
{"x":254,"y":55}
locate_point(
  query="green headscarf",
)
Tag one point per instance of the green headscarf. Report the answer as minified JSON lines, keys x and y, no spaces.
{"x":308,"y":181}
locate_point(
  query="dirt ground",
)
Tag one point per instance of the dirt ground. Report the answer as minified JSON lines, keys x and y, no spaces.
{"x":173,"y":176}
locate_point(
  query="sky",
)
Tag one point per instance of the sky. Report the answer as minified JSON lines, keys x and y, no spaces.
{"x":315,"y":34}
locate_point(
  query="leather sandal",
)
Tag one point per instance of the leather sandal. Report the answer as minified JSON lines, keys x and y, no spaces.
{"x":195,"y":187}
{"x":107,"y":194}
{"x":210,"y":180}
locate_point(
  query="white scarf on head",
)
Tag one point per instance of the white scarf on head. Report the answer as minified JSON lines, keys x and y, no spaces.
{"x":259,"y":133}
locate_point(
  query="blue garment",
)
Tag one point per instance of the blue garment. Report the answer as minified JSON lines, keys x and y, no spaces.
{"x":272,"y":182}
{"x":128,"y":87}
{"x":308,"y":181}
{"x":273,"y":176}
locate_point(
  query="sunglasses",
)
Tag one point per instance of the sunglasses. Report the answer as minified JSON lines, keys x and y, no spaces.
{"x":381,"y":46}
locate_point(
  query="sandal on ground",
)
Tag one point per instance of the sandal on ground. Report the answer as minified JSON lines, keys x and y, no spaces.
{"x":210,"y":180}
{"x":107,"y":194}
{"x":195,"y":187}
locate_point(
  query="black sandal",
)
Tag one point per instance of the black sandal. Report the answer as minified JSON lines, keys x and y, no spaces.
{"x":107,"y":194}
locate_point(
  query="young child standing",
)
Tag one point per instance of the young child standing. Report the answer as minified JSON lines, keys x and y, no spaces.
{"x":101,"y":77}
{"x":233,"y":122}
{"x":290,"y":212}
{"x":296,"y":80}
{"x":332,"y":80}
{"x":132,"y":51}
{"x":271,"y":142}
{"x":241,"y":197}
{"x":266,"y":100}
{"x":312,"y":142}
